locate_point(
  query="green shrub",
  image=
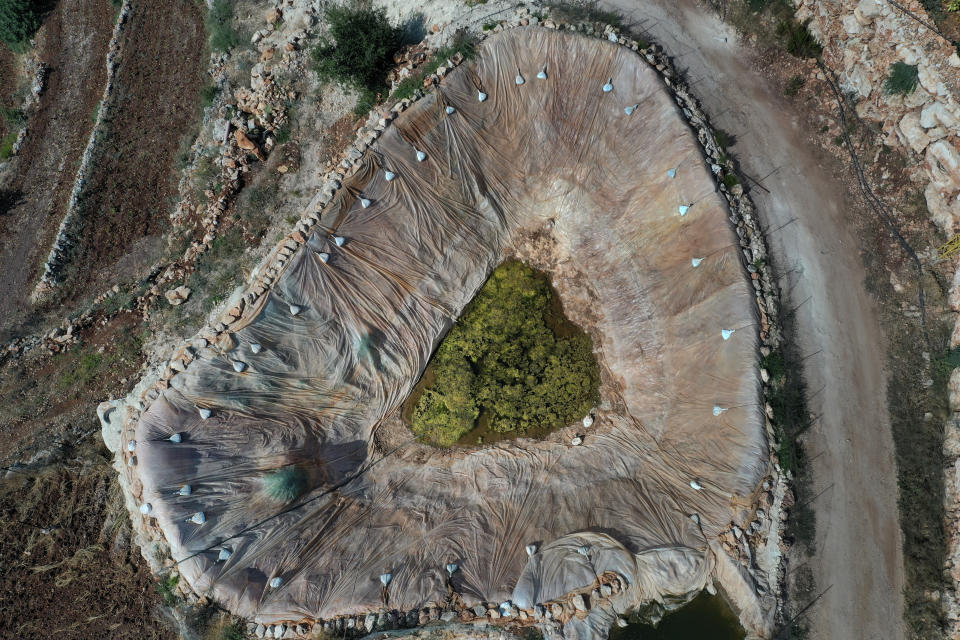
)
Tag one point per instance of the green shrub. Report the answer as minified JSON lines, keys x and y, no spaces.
{"x":19,"y":20}
{"x":234,"y":631}
{"x":730,"y":180}
{"x":512,"y":361}
{"x":362,"y":49}
{"x":6,"y":145}
{"x":219,"y":23}
{"x":798,"y":40}
{"x":12,"y":117}
{"x":902,"y":79}
{"x":723,"y":138}
{"x":166,"y":588}
{"x":794,"y":85}
{"x":286,"y":484}
{"x":207,"y":95}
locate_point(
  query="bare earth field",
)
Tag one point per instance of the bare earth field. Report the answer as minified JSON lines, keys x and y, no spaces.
{"x":73,"y":43}
{"x":133,"y":188}
{"x":812,"y":237}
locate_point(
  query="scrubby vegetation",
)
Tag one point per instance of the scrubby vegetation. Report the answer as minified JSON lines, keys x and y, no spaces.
{"x":511,"y":361}
{"x":902,"y":79}
{"x":19,"y":20}
{"x":219,"y":24}
{"x":798,"y":40}
{"x":359,"y":52}
{"x":794,"y":84}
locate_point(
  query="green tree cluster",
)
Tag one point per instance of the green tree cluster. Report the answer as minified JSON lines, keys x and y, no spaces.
{"x":360,"y":53}
{"x":19,"y":20}
{"x":503,"y":360}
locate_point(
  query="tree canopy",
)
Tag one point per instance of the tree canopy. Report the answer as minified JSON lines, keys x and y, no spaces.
{"x":361,"y":50}
{"x":504,"y":360}
{"x":19,"y":20}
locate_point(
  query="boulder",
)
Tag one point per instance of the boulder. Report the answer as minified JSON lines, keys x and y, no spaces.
{"x":911,"y":132}
{"x":954,"y":388}
{"x":867,"y":10}
{"x":851,"y":25}
{"x":930,"y":81}
{"x":943,"y":165}
{"x":177,"y":296}
{"x":579,"y":603}
{"x":937,"y":114}
{"x":944,"y":210}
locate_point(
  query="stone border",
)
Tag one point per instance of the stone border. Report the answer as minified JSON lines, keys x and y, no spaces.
{"x":57,"y":257}
{"x":768,"y":505}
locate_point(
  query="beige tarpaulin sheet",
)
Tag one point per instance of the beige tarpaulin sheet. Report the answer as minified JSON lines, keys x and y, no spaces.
{"x":557,"y":149}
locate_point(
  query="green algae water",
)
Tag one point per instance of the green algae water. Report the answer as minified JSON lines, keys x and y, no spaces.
{"x":705,"y":617}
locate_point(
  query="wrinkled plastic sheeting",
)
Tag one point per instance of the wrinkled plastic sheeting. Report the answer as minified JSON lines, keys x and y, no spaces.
{"x":560,"y":567}
{"x":373,"y":311}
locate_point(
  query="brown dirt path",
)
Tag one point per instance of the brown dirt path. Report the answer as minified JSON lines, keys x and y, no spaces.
{"x":814,"y":244}
{"x":73,"y":43}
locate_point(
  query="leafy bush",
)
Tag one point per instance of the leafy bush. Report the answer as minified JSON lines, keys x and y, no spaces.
{"x":362,"y":50}
{"x":207,"y":95}
{"x":513,"y":359}
{"x":167,"y":590}
{"x":286,"y":484}
{"x":793,"y":85}
{"x":730,"y":180}
{"x":798,"y":40}
{"x":902,"y":79}
{"x":19,"y":20}
{"x":219,"y":23}
{"x":234,"y":631}
{"x":6,"y":145}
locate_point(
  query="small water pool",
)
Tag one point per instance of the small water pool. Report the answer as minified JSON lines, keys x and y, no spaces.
{"x":705,"y":617}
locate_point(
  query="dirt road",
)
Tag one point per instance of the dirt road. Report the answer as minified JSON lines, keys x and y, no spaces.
{"x":814,"y":247}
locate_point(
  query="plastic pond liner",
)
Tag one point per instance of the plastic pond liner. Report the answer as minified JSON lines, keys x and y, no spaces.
{"x":305,"y":486}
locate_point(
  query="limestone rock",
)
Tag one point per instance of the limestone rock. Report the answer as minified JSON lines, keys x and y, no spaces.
{"x":954,"y":389}
{"x":944,"y":210}
{"x":912,"y":133}
{"x":938,"y":114}
{"x":177,"y":296}
{"x":869,"y":9}
{"x":943,"y":165}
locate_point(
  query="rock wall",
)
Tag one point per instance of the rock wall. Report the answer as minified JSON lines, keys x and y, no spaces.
{"x":861,"y":40}
{"x":61,"y":244}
